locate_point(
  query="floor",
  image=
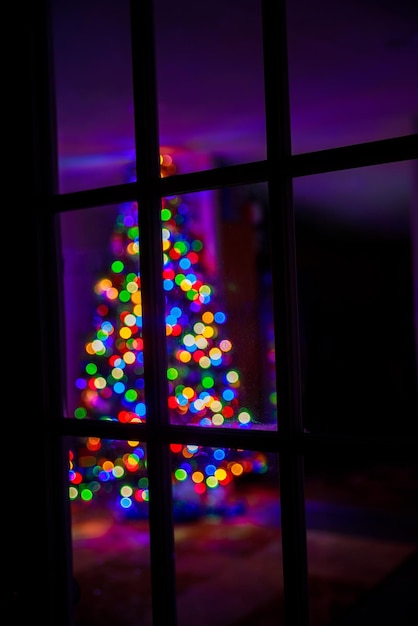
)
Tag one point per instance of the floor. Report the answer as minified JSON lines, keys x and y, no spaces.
{"x":228,"y":569}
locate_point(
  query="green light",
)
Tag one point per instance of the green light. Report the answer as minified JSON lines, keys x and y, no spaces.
{"x":86,"y":495}
{"x":131,"y":395}
{"x":133,"y":233}
{"x":172,"y":373}
{"x":181,"y":247}
{"x":91,"y":368}
{"x":165,"y":215}
{"x":180,"y":474}
{"x":197,"y":245}
{"x":80,"y":413}
{"x":124,"y":296}
{"x":208,"y":382}
{"x":117,"y":267}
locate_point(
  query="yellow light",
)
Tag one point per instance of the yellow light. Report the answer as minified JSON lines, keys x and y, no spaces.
{"x":205,"y":362}
{"x":232,"y":376}
{"x":132,"y":287}
{"x":125,"y":332}
{"x":185,"y":285}
{"x":90,"y":349}
{"x":208,"y":332}
{"x":102,"y":286}
{"x":184,"y":356}
{"x":73,"y":492}
{"x":197,"y":477}
{"x":244,"y":417}
{"x":129,"y":357}
{"x":215,"y":354}
{"x":220,"y":474}
{"x":237,"y":469}
{"x":117,"y":373}
{"x":100,"y":383}
{"x":188,"y":392}
{"x":201,"y":342}
{"x":207,"y":317}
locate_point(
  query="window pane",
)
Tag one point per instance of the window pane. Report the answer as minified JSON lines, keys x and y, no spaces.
{"x":228,"y":543}
{"x":362,"y":522}
{"x":352,"y":70}
{"x":93,"y":81}
{"x":110,"y":532}
{"x":355,"y":247}
{"x":103,"y":314}
{"x":217,"y":280}
{"x":210,"y":82}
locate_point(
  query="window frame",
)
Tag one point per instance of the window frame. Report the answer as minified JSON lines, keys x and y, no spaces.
{"x":50,"y":598}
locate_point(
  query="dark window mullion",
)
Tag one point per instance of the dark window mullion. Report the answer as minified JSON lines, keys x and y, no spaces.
{"x":285,"y":313}
{"x":47,"y":598}
{"x":155,"y":351}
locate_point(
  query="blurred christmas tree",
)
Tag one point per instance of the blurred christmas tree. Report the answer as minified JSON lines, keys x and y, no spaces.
{"x":203,"y":384}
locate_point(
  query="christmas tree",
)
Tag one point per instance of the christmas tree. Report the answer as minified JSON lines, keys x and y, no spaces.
{"x":203,"y":385}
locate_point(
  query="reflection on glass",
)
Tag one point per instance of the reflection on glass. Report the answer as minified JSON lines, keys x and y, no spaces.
{"x":110,"y":533}
{"x":228,"y":549}
{"x":355,"y":241}
{"x":216,"y":276}
{"x":109,"y":380}
{"x":210,"y":82}
{"x":94,"y":95}
{"x":352,"y":71}
{"x":205,"y":479}
{"x":110,"y":473}
{"x":362,"y":523}
{"x":219,"y":322}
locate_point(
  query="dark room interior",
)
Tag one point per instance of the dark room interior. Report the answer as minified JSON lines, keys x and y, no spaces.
{"x":219,"y":204}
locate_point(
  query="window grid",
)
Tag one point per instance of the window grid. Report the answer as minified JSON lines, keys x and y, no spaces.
{"x":290,"y":441}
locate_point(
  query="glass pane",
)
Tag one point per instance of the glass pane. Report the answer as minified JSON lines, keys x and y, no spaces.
{"x":103,"y":314}
{"x":210,"y":82}
{"x":94,"y":101}
{"x":355,"y":248}
{"x":217,"y":280}
{"x":228,"y":539}
{"x":362,"y":522}
{"x":352,"y":71}
{"x":110,"y":532}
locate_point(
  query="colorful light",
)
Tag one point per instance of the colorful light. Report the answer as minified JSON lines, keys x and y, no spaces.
{"x":202,"y":384}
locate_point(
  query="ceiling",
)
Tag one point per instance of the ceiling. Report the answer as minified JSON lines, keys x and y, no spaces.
{"x":352,"y":78}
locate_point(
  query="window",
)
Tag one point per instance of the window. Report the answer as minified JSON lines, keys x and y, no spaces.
{"x":219,"y":355}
